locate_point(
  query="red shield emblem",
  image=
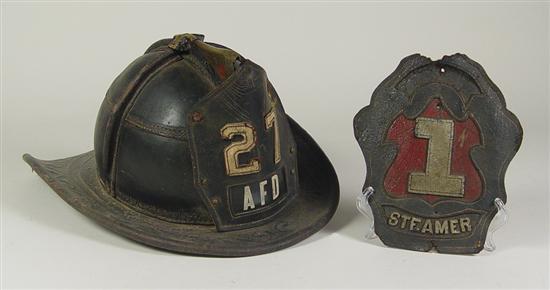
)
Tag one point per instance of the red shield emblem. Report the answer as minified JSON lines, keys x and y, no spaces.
{"x":434,"y":164}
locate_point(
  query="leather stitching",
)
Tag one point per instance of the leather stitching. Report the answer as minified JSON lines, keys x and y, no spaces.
{"x":158,"y":129}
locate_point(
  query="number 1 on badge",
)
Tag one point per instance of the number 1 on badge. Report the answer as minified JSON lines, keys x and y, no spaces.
{"x":437,"y":180}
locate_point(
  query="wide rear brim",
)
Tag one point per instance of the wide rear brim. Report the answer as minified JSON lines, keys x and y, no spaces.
{"x":75,"y":180}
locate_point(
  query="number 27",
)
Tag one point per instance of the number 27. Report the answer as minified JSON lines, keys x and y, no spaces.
{"x":244,"y":129}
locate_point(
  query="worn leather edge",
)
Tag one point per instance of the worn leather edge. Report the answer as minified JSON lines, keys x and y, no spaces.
{"x":196,"y":249}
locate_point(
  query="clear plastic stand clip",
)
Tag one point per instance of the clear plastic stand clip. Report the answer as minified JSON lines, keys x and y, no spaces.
{"x":364,"y":208}
{"x":498,"y":221}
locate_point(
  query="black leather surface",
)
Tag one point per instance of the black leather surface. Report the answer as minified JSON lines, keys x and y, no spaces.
{"x":244,"y":97}
{"x":159,"y":173}
{"x":152,"y":156}
{"x":120,"y":93}
{"x":75,"y":180}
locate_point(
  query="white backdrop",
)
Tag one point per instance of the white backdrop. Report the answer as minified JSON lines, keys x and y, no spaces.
{"x":325,"y":60}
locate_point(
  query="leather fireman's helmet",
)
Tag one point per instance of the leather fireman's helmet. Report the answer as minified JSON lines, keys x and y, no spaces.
{"x":194,"y":153}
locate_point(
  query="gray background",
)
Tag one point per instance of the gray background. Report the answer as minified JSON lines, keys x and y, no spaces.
{"x":325,"y":60}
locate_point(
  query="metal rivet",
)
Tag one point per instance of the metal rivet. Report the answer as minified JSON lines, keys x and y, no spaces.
{"x":196,"y":116}
{"x":291,"y":149}
{"x":237,"y":63}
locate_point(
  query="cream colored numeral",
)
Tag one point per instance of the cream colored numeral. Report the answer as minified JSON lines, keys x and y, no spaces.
{"x":232,"y":165}
{"x":271,"y":121}
{"x":437,"y":180}
{"x":231,"y":153}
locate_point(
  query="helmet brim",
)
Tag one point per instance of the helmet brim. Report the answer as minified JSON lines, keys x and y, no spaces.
{"x":75,"y":180}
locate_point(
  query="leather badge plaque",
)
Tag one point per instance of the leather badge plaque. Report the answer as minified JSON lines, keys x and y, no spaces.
{"x":437,"y":140}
